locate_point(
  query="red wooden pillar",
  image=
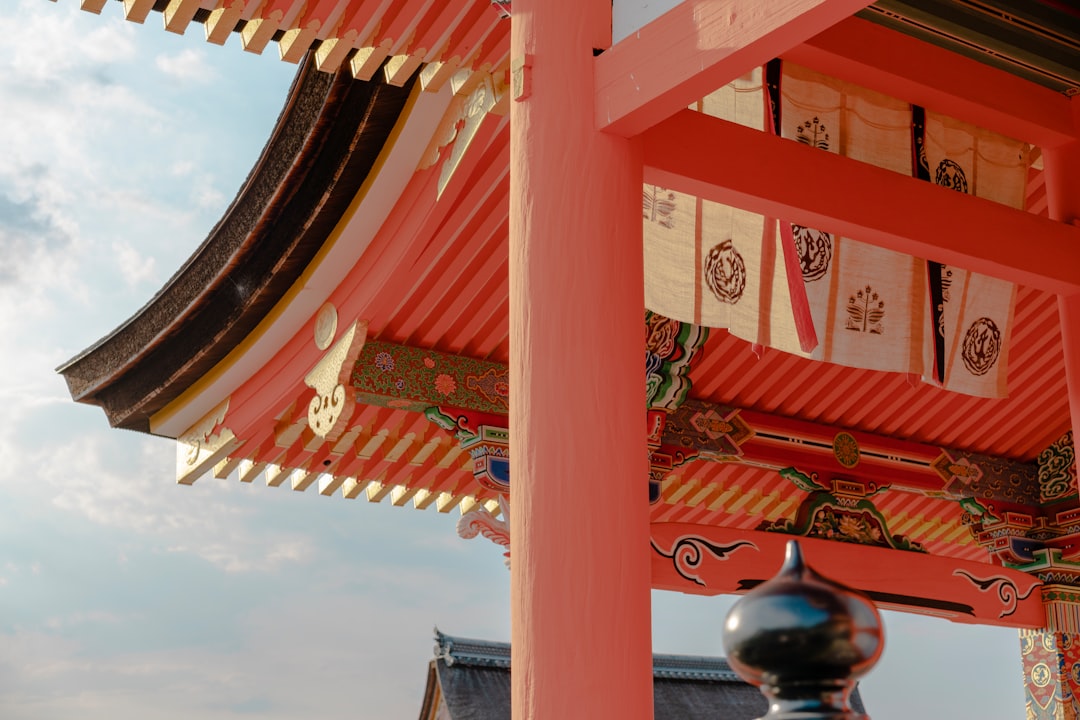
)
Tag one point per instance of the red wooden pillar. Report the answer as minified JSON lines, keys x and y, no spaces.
{"x":1051,"y":656}
{"x":1062,"y":168}
{"x":581,"y":634}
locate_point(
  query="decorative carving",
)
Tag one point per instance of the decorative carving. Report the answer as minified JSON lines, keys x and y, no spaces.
{"x":1005,"y":587}
{"x":1057,"y":470}
{"x":846,"y":449}
{"x":986,"y":478}
{"x":479,"y":101}
{"x":489,"y":449}
{"x":334,"y":400}
{"x":844,"y":514}
{"x":670,"y":347}
{"x":480,"y":521}
{"x":325,"y":326}
{"x":714,"y":432}
{"x":688,"y":551}
{"x":410,"y":378}
{"x":203,"y":445}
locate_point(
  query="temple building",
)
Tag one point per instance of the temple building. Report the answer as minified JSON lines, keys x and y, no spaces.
{"x":470,"y":680}
{"x":843,"y":237}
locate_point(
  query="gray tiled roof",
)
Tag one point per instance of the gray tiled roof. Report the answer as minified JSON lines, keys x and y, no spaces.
{"x":474,"y":680}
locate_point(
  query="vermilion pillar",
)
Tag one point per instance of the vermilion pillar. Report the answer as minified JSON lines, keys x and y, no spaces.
{"x":1062,"y":168}
{"x":579,"y":489}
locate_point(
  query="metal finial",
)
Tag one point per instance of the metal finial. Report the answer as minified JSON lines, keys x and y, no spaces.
{"x":803,"y":640}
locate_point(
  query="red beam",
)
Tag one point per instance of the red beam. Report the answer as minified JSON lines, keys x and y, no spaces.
{"x":728,"y":163}
{"x":697,"y":47}
{"x":866,"y":54}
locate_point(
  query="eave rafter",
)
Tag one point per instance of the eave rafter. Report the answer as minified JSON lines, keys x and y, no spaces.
{"x":902,"y":213}
{"x":697,"y":47}
{"x":391,"y":382}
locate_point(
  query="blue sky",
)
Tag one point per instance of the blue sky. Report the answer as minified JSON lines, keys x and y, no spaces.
{"x":124,"y":595}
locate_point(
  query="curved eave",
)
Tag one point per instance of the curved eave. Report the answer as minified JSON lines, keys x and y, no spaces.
{"x":323,"y":147}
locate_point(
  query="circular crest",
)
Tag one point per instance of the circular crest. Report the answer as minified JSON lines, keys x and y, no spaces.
{"x":1040,"y":675}
{"x":725,"y":272}
{"x":325,"y":326}
{"x":846,"y":449}
{"x":949,"y":174}
{"x":982,"y":345}
{"x":815,"y":251}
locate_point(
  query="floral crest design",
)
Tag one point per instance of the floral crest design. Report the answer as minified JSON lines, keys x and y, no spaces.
{"x":658,"y":205}
{"x":865,"y":312}
{"x":812,"y":133}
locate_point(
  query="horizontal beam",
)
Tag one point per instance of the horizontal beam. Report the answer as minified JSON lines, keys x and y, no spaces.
{"x":707,"y":560}
{"x":871,"y":56}
{"x":728,"y":163}
{"x":697,"y":47}
{"x":404,"y":377}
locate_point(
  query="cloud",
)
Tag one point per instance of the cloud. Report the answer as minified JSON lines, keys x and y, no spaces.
{"x":188,"y":65}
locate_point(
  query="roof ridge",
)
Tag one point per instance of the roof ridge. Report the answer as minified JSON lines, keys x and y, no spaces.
{"x":453,"y":649}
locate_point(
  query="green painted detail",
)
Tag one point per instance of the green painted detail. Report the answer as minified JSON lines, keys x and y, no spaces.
{"x":824,"y":515}
{"x":973,"y":506}
{"x":397,"y":376}
{"x":806,"y":483}
{"x":670,"y":346}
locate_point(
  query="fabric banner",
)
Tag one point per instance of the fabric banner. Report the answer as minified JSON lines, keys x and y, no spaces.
{"x":719,"y":266}
{"x":976,"y":311}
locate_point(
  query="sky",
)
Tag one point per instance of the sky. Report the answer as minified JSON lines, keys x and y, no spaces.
{"x":125,"y":595}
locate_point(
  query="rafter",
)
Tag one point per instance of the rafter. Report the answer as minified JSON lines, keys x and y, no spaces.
{"x":728,"y":163}
{"x":697,"y":47}
{"x":866,"y":54}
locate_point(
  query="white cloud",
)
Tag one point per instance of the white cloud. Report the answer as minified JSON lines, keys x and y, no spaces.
{"x":187,"y":65}
{"x":135,"y":267}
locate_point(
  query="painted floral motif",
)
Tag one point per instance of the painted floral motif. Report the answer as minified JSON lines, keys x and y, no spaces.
{"x":384,"y":361}
{"x":445,"y":384}
{"x":815,"y":249}
{"x":493,"y":385}
{"x":812,"y":133}
{"x":725,"y":272}
{"x":837,"y":517}
{"x":865,"y":312}
{"x":398,"y":376}
{"x":982,"y":345}
{"x":658,"y":205}
{"x":949,"y":174}
{"x":831,"y":525}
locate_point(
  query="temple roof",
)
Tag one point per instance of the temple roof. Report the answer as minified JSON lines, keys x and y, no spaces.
{"x":330,"y":131}
{"x":378,"y":217}
{"x":472,"y":679}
